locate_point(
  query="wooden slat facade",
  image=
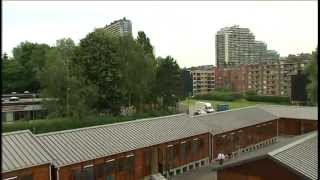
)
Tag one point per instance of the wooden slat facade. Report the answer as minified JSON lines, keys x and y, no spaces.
{"x":145,"y":161}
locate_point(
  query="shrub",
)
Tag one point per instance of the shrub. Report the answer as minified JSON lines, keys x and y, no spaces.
{"x":58,"y":124}
{"x":220,"y":96}
{"x":275,"y":99}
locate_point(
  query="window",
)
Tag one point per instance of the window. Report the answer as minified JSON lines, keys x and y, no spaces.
{"x":110,"y":167}
{"x":129,"y":164}
{"x":195,"y":146}
{"x":147,"y":159}
{"x":170,"y":153}
{"x":202,"y":163}
{"x":87,"y":173}
{"x":121,"y":164}
{"x":184,"y":169}
{"x":183,"y":151}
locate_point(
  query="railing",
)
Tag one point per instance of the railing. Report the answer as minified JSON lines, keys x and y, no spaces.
{"x":254,"y":147}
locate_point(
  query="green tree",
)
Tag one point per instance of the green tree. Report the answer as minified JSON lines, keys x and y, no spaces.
{"x":31,"y":57}
{"x":138,"y":72}
{"x":312,"y":72}
{"x":97,"y":58}
{"x":145,"y":43}
{"x":61,"y":80}
{"x":168,"y":81}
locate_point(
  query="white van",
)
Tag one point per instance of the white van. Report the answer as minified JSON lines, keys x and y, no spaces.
{"x":205,"y":106}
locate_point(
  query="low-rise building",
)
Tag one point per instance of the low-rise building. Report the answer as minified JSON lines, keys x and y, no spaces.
{"x":169,"y":145}
{"x":291,"y":158}
{"x":23,"y":157}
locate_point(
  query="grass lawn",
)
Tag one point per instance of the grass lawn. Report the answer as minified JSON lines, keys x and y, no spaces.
{"x":232,"y":104}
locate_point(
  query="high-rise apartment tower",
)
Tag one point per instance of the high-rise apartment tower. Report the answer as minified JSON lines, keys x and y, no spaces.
{"x":235,"y":46}
{"x":120,"y":27}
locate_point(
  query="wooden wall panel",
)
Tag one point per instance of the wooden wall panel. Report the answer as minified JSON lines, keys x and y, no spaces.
{"x":38,"y":173}
{"x":264,"y":169}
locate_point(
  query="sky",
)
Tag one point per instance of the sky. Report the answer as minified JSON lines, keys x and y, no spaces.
{"x":184,"y":30}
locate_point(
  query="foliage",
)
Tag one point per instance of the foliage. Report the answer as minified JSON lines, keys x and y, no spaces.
{"x":21,"y":72}
{"x":98,"y":60}
{"x":138,"y":71}
{"x":312,"y":72}
{"x":58,"y":124}
{"x":168,"y":81}
{"x":220,"y":96}
{"x":274,"y":99}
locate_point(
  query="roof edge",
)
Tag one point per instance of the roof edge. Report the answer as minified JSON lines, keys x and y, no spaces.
{"x":106,"y":125}
{"x":295,"y":143}
{"x":17,"y":132}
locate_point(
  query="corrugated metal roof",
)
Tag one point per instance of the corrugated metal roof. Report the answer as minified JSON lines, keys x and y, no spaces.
{"x":295,"y":112}
{"x":283,"y":144}
{"x":21,"y":150}
{"x":225,"y":121}
{"x":301,"y":156}
{"x":71,"y":146}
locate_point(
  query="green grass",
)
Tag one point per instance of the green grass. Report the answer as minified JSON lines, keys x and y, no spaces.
{"x":232,"y":104}
{"x":58,"y":124}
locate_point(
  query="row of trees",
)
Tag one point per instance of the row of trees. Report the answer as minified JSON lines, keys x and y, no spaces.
{"x":103,"y":73}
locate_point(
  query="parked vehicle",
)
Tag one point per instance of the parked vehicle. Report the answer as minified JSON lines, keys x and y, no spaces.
{"x":199,"y":112}
{"x":205,"y":106}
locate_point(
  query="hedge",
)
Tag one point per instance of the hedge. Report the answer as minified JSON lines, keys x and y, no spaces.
{"x":58,"y":124}
{"x":219,"y":96}
{"x":275,"y":99}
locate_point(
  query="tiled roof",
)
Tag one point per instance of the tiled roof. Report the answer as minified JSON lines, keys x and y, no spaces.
{"x":71,"y":146}
{"x":21,"y":150}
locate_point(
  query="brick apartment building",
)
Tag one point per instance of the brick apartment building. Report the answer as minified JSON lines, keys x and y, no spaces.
{"x":271,"y":79}
{"x":203,"y":79}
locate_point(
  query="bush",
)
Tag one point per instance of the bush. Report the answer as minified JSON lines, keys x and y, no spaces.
{"x":58,"y":124}
{"x":275,"y":99}
{"x":220,"y":96}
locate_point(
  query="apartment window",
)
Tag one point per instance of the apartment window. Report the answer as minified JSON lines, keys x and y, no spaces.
{"x":87,"y":173}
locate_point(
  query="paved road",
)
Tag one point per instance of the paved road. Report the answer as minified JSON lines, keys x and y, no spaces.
{"x":204,"y":173}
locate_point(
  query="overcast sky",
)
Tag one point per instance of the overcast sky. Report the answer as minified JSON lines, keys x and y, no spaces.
{"x":184,"y":30}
